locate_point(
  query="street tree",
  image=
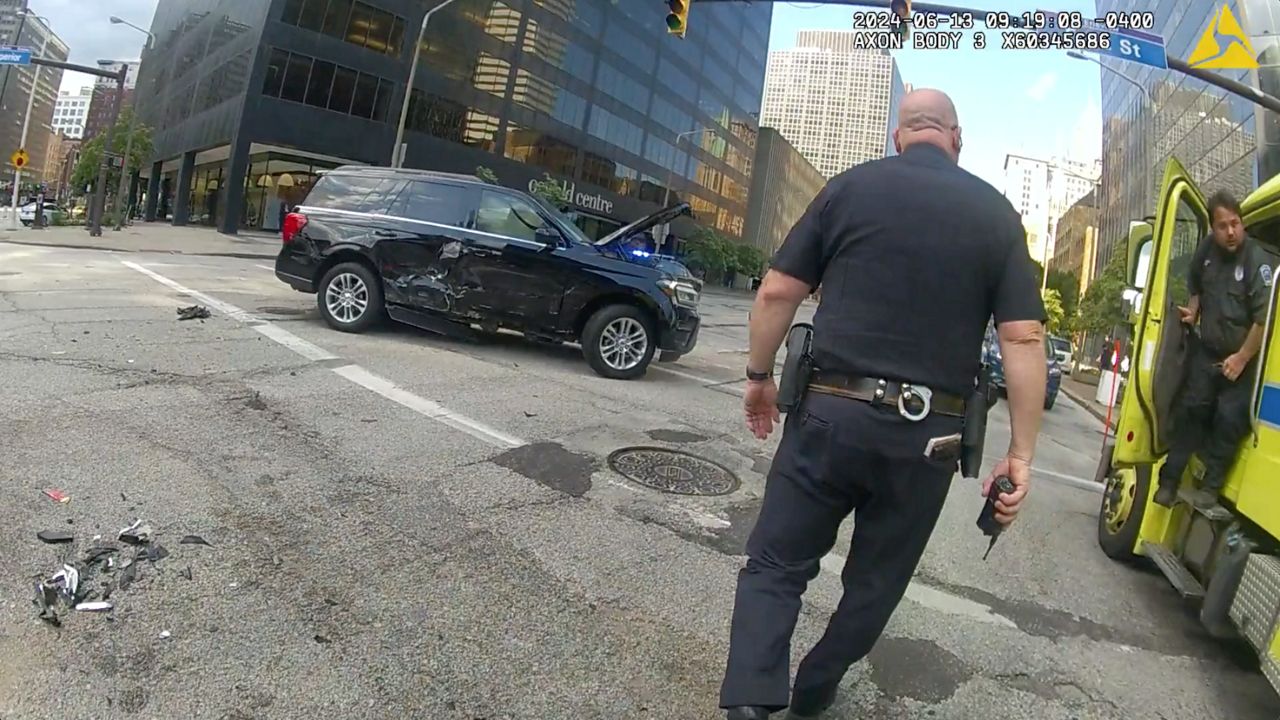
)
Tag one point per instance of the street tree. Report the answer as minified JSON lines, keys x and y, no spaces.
{"x":86,"y":172}
{"x":1101,"y":310}
{"x":1053,"y":310}
{"x":1068,"y":286}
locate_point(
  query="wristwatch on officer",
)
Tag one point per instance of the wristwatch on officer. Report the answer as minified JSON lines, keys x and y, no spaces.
{"x":758,"y":376}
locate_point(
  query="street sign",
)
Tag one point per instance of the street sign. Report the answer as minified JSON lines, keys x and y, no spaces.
{"x":1137,"y":46}
{"x":1132,"y":45}
{"x":15,"y":56}
{"x":19,"y":158}
{"x":115,"y":160}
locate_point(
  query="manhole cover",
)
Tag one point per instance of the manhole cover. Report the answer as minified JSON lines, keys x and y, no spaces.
{"x":672,"y":471}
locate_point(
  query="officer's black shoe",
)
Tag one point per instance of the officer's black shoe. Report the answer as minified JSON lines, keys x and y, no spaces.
{"x":1166,"y":494}
{"x":812,"y":702}
{"x":747,"y":712}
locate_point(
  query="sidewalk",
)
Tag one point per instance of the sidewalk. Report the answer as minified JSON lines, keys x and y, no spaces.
{"x":1083,"y":394}
{"x":157,"y":237}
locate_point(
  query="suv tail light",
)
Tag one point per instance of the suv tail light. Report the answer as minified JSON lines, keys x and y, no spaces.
{"x":293,"y":224}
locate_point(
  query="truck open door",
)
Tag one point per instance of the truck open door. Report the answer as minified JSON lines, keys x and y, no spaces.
{"x":1157,"y":276}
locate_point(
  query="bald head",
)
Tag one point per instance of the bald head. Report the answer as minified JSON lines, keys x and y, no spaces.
{"x":928,"y":116}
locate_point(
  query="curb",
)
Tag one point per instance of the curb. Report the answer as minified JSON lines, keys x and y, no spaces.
{"x":76,"y":246}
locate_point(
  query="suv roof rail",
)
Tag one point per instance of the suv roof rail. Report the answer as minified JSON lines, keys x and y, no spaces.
{"x":407,"y":171}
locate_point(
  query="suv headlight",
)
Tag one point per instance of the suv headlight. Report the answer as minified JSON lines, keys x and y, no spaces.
{"x":681,"y":293}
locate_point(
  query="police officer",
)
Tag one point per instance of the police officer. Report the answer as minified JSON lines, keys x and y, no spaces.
{"x":914,"y":256}
{"x":1230,"y":284}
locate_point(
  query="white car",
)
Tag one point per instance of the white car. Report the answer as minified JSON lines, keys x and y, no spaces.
{"x":27,"y":213}
{"x":1062,"y":349}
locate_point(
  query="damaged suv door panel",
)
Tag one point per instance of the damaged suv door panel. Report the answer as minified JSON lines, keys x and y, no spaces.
{"x":511,"y":258}
{"x":418,"y":252}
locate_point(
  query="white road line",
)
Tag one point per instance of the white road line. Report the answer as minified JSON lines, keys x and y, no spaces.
{"x":264,"y":267}
{"x":354,"y":373}
{"x":1071,"y":480}
{"x":307,"y":350}
{"x":433,"y":410}
{"x":932,"y":598}
{"x":701,"y":380}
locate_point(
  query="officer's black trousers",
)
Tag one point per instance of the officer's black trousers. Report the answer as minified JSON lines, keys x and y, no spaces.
{"x":822,"y":472}
{"x":1212,"y":417}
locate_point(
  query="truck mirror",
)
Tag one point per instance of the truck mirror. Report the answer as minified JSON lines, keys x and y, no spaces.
{"x":1138,"y":253}
{"x":1130,"y":303}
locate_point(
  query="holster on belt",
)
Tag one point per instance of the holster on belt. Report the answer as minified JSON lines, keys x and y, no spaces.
{"x":797,"y":369}
{"x":973,"y":436}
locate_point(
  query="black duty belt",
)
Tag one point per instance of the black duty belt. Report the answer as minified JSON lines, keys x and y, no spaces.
{"x":914,"y":402}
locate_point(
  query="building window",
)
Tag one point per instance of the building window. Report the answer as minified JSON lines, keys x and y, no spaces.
{"x":350,"y":20}
{"x":322,"y":84}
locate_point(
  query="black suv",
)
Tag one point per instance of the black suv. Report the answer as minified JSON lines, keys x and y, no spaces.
{"x":445,"y":252}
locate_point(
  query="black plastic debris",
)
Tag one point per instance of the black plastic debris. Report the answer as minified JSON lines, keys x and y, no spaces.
{"x":185,"y":572}
{"x":194,"y":540}
{"x":156,"y":551}
{"x":55,"y":536}
{"x":128,"y":574}
{"x":194,"y":312}
{"x":321,"y":639}
{"x":136,"y":534}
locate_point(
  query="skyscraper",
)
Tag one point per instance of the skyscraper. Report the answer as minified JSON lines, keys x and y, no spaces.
{"x":1042,"y":191}
{"x":70,"y":111}
{"x":830,"y":100}
{"x":16,"y":82}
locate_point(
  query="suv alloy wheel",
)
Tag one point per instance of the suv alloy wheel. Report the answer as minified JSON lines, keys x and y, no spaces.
{"x":350,"y":297}
{"x":618,"y":342}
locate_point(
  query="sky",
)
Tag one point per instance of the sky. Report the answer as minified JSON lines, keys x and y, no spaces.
{"x":84,"y":26}
{"x":1038,"y":102}
{"x":1035,"y":102}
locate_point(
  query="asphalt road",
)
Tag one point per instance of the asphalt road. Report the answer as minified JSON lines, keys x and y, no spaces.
{"x":408,"y":526}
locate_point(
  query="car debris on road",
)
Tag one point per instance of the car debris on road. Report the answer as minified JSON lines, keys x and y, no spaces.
{"x":194,"y":312}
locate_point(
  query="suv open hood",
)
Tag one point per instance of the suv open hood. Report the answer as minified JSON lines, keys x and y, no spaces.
{"x":644,"y":223}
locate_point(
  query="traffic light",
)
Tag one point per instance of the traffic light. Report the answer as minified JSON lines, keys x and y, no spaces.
{"x":678,"y":17}
{"x":902,"y":8}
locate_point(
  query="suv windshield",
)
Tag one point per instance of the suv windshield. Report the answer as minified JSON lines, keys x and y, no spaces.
{"x":1061,"y":345}
{"x":575,"y":233}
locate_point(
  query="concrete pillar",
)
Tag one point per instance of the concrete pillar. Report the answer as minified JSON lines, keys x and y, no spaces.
{"x":182,"y":194}
{"x":233,"y":187}
{"x":153,"y":191}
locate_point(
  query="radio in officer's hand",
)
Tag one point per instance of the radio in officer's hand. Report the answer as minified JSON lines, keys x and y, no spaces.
{"x":987,"y":522}
{"x":797,"y":369}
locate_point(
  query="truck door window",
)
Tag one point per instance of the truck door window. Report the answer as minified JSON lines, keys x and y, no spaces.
{"x":1187,"y":234}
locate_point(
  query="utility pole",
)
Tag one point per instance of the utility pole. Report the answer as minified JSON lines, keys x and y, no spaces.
{"x":100,"y":187}
{"x":26,"y":123}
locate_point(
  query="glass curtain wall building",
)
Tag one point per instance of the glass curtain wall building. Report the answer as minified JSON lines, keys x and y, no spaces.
{"x":1217,"y":136}
{"x":251,"y":100}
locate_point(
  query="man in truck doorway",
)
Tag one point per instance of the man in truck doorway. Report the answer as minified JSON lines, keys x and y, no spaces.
{"x":1230,"y":284}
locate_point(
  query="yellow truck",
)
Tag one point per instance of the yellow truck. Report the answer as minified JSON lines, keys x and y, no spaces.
{"x":1226,"y":558}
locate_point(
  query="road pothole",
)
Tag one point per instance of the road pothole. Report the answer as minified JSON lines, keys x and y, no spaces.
{"x":673,"y":472}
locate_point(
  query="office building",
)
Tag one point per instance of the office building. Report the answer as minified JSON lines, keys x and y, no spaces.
{"x":250,"y":100}
{"x":17,"y":81}
{"x":104,"y":95}
{"x":1075,"y":245}
{"x":1042,"y":191}
{"x":70,"y":111}
{"x":783,"y":183}
{"x":832,"y":101}
{"x":1216,"y":135}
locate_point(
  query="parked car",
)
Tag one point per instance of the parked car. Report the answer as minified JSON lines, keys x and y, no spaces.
{"x":1063,"y":350}
{"x":27,"y":213}
{"x":991,"y":356}
{"x":446,"y":252}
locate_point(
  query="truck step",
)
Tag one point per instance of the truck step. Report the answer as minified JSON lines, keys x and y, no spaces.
{"x":1253,"y":610}
{"x":1174,"y":571}
{"x":1217,"y":513}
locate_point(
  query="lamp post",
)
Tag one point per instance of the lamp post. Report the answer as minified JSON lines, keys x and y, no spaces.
{"x":122,"y":189}
{"x":397,"y":155}
{"x":26,"y":122}
{"x":666,"y":195}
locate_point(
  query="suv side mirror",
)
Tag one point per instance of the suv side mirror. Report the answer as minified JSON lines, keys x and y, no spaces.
{"x":548,"y":236}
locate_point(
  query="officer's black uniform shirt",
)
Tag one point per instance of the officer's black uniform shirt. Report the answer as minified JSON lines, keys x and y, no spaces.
{"x":914,"y":256}
{"x":1234,"y":290}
